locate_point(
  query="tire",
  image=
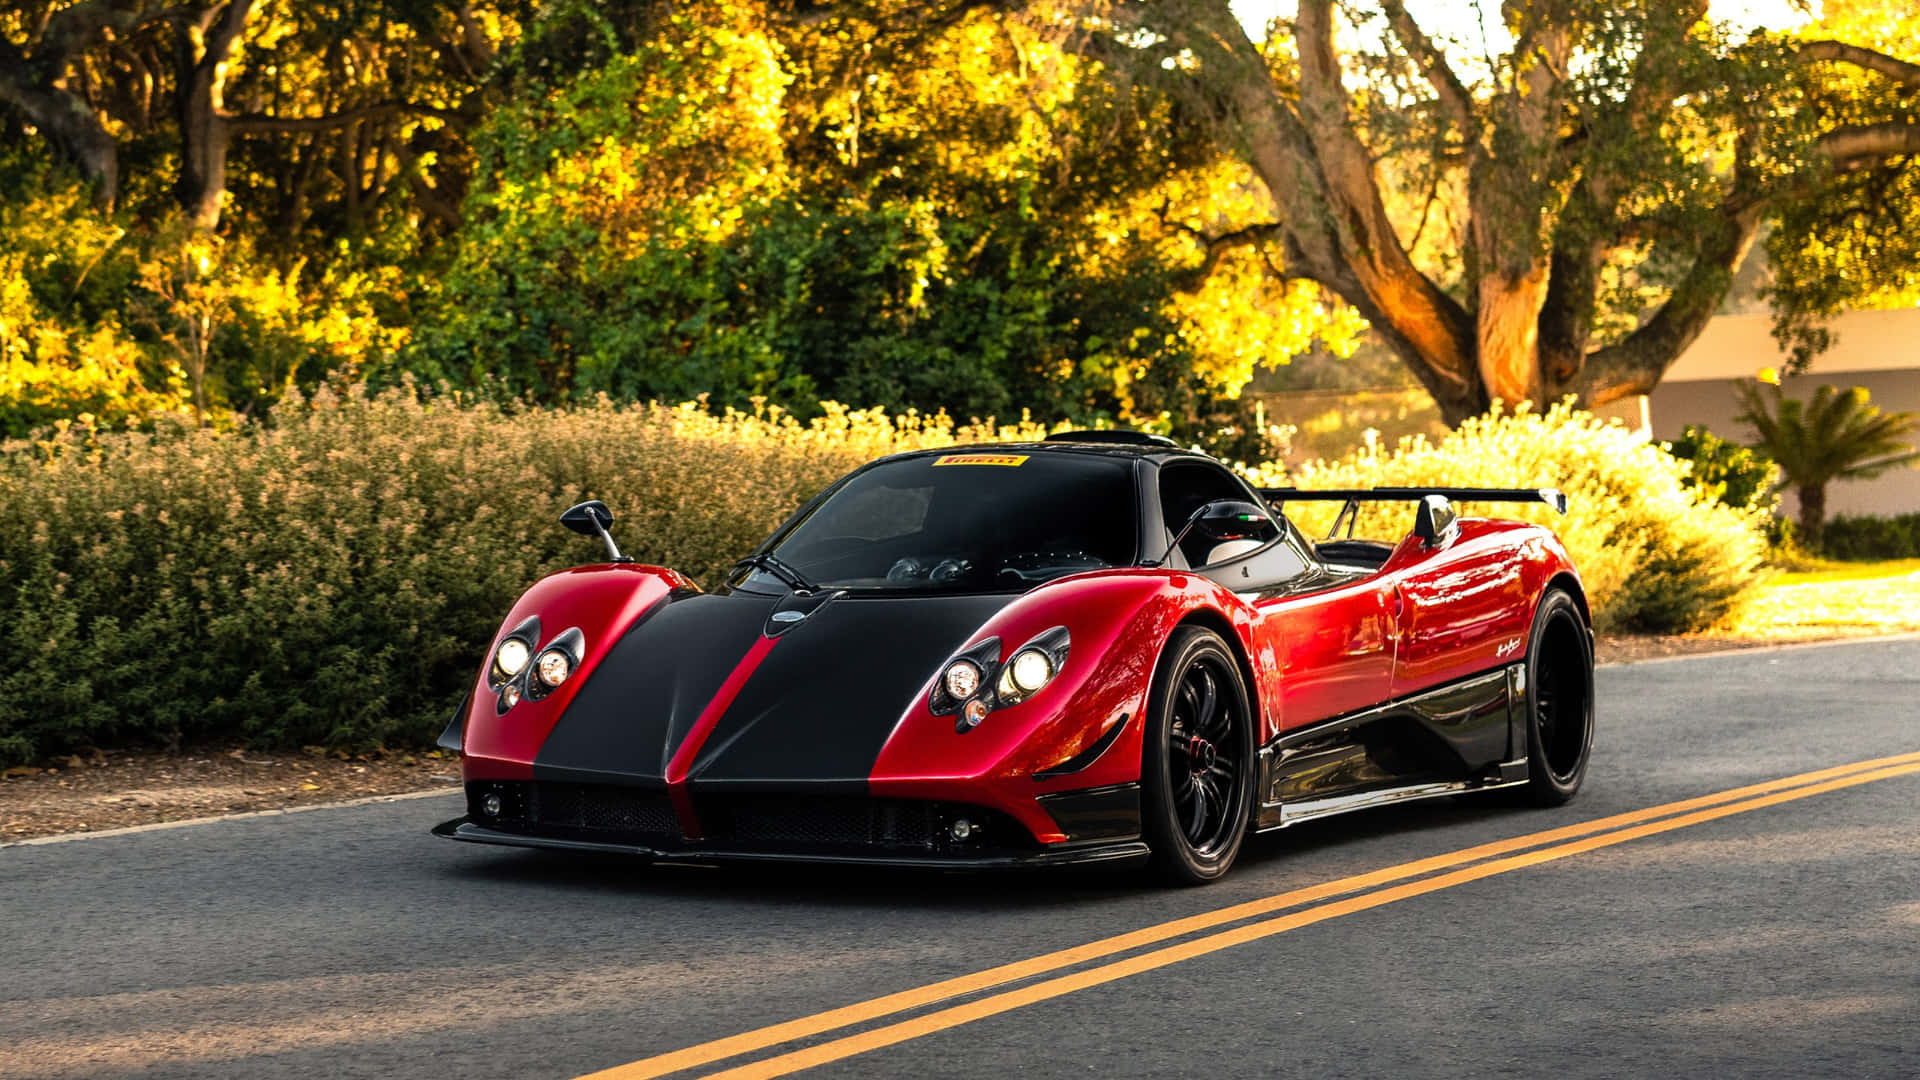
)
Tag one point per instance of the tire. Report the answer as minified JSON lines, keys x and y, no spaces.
{"x":1197,"y":764}
{"x":1559,"y":701}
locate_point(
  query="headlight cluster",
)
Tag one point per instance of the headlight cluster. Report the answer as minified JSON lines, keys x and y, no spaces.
{"x":518,"y":671}
{"x":975,"y":682}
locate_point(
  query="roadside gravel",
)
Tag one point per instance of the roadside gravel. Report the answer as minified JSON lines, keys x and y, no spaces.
{"x":87,"y":792}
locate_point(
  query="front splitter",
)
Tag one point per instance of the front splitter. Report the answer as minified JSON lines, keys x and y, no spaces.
{"x":1109,"y":853}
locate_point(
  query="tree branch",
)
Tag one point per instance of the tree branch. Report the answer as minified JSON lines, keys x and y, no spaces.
{"x":1216,"y":246}
{"x":1636,"y":363}
{"x":232,"y":23}
{"x":75,"y":27}
{"x":1856,"y":145}
{"x":1433,"y":64}
{"x":249,"y":123}
{"x":1840,"y":52}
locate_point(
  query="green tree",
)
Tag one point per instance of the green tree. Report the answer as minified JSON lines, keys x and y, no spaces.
{"x":1552,"y":204}
{"x":1854,"y":240}
{"x":1738,"y":476}
{"x":722,"y":200}
{"x":1835,"y":435}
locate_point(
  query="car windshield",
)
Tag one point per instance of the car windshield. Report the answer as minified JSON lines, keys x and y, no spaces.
{"x":966,"y":521}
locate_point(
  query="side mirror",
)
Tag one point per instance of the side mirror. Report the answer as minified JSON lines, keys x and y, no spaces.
{"x":592,"y":518}
{"x":1220,"y":520}
{"x":1232,"y":519}
{"x":589,"y":518}
{"x":1433,"y":518}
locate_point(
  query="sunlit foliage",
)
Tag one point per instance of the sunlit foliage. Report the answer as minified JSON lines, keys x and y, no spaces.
{"x":739,"y":206}
{"x":1656,"y":551}
{"x":884,"y":202}
{"x":105,"y":319}
{"x":1855,"y":241}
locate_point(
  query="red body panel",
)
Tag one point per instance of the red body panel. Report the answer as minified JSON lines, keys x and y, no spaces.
{"x":603,"y":601}
{"x":1314,"y":656}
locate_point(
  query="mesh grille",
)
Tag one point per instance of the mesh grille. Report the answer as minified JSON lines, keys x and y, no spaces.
{"x":602,"y":807}
{"x":829,"y":822}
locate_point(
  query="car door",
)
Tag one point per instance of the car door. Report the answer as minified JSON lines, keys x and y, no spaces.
{"x":1459,"y":604}
{"x":1336,"y":649}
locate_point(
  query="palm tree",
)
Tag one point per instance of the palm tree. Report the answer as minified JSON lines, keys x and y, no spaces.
{"x":1836,"y":435}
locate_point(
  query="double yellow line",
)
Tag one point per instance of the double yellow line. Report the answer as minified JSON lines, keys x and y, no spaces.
{"x":1373,"y":890}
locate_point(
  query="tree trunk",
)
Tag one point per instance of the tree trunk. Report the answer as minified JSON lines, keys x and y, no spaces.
{"x":1507,"y":342}
{"x":1813,"y":515}
{"x":202,"y":180}
{"x":201,"y":49}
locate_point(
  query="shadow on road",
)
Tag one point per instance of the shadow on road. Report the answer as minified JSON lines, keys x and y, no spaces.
{"x":880,"y":887}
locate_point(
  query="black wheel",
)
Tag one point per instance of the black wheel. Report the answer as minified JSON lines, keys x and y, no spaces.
{"x":1560,"y":699}
{"x":1197,"y":766}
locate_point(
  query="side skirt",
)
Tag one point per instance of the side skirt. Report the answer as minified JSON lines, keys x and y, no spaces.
{"x":1468,"y":735}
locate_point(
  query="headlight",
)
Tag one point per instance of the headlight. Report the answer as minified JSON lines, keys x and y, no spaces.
{"x":555,"y":662}
{"x":962,"y":679}
{"x":555,"y":666}
{"x":1031,"y":667}
{"x":1030,"y":670}
{"x":512,"y":656}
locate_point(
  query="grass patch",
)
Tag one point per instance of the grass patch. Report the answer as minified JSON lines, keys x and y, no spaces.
{"x":1823,"y":599}
{"x":1817,"y":570}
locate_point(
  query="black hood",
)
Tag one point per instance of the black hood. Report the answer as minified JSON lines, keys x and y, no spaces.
{"x":814,"y":713}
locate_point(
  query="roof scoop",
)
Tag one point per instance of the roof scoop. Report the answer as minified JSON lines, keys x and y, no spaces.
{"x":1112,"y":436}
{"x":592,"y":518}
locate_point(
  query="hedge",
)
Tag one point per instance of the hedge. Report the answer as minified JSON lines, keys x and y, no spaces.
{"x":332,"y":576}
{"x":1869,"y":537}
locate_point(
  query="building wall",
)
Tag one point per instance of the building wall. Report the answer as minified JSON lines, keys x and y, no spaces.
{"x":1879,"y":350}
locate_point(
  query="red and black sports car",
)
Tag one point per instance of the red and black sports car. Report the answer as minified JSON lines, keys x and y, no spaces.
{"x":1098,"y":648}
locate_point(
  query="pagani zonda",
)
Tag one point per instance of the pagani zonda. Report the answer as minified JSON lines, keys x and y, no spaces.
{"x":1092,"y":649}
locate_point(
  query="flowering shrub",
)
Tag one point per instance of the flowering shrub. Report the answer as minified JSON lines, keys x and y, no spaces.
{"x":1656,"y":552}
{"x":333,"y":577}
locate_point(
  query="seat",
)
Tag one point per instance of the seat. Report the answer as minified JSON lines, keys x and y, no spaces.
{"x":1365,"y":554}
{"x":1231,"y":549}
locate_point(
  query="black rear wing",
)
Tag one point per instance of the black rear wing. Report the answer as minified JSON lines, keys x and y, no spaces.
{"x":1553,"y":497}
{"x":1430,"y":520}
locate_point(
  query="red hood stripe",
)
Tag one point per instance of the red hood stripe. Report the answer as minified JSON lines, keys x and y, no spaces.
{"x":703,"y":727}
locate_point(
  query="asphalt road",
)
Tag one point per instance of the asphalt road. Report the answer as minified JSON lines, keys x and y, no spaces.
{"x":1776,"y":940}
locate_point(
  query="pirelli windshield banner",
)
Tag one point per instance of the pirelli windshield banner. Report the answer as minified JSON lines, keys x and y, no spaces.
{"x":980,"y":459}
